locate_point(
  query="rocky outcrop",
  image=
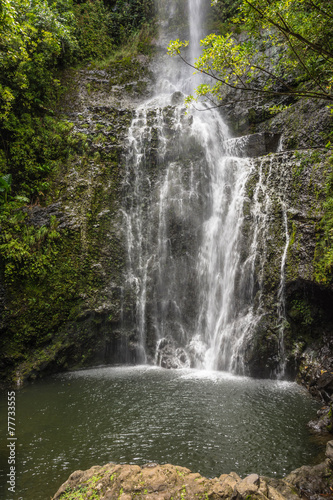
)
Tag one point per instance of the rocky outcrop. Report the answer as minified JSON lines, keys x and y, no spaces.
{"x":254,"y":145}
{"x":163,"y":482}
{"x":301,"y":124}
{"x":171,"y":357}
{"x":166,"y":482}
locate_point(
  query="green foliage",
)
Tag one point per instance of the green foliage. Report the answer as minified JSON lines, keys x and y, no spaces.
{"x":302,"y":310}
{"x":38,"y":37}
{"x":79,"y":493}
{"x":102,"y":28}
{"x":183,"y":492}
{"x":34,"y":147}
{"x":26,"y":249}
{"x":5,"y":186}
{"x":35,"y":38}
{"x":128,"y":17}
{"x":94,"y":27}
{"x":83,"y":491}
{"x":44,"y":275}
{"x":285,"y":38}
{"x":138,"y":43}
{"x":323,"y":261}
{"x":223,"y":13}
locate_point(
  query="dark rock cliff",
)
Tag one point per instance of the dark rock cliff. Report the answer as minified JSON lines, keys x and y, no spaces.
{"x":291,"y":200}
{"x":295,"y":182}
{"x":73,"y":316}
{"x":294,"y":176}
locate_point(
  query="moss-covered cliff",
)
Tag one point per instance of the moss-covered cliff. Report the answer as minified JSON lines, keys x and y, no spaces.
{"x":63,"y":267}
{"x":295,"y":201}
{"x":63,"y":256}
{"x":62,"y":263}
{"x":290,"y":188}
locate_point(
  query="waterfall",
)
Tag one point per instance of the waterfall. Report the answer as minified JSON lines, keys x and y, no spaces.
{"x":281,"y":297}
{"x":191,"y":276}
{"x":223,"y":316}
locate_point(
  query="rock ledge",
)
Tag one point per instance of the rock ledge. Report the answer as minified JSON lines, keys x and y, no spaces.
{"x":169,"y":482}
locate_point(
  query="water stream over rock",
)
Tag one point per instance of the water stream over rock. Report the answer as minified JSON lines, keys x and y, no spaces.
{"x":192,"y":270}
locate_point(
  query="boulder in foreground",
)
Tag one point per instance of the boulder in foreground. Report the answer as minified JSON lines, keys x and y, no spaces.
{"x":169,"y":482}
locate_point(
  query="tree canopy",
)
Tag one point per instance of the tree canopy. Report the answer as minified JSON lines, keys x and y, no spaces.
{"x":37,"y":39}
{"x":33,"y":38}
{"x":277,"y":47}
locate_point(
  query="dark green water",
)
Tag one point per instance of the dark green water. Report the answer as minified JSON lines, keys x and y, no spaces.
{"x":210,"y":422}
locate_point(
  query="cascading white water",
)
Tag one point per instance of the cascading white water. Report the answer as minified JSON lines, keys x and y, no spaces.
{"x":196,"y":15}
{"x":220,"y":322}
{"x":190,"y":270}
{"x":269,"y":197}
{"x":281,"y":297}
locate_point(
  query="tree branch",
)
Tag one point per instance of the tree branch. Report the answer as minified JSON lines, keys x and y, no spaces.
{"x":319,"y":9}
{"x":309,"y":94}
{"x":304,"y":66}
{"x":317,"y":48}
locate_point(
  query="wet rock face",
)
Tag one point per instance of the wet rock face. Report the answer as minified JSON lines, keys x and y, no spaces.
{"x":167,"y":482}
{"x":254,"y":145}
{"x":322,"y":424}
{"x":304,"y":124}
{"x":286,"y":192}
{"x":122,"y":84}
{"x":100,"y":103}
{"x":171,"y":357}
{"x":296,"y":179}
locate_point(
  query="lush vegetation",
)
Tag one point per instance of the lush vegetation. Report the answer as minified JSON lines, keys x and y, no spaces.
{"x":37,"y":39}
{"x":222,"y":15}
{"x":286,"y":49}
